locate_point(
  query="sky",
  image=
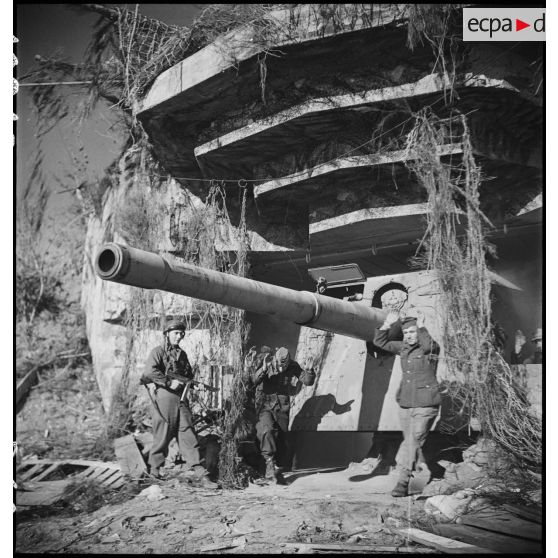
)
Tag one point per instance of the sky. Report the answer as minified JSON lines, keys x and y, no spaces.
{"x":45,"y":29}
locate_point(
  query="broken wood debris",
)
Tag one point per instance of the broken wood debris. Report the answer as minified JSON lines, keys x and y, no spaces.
{"x":35,"y":488}
{"x":234,"y":543}
{"x":511,"y":525}
{"x":129,"y":456}
{"x":530,"y":513}
{"x":443,"y":544}
{"x":488,"y":539}
{"x":340,"y":547}
{"x":41,"y":493}
{"x":236,"y":534}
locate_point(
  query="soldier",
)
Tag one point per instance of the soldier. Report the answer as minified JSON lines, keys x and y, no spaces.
{"x":418,"y":395}
{"x":520,"y":355}
{"x":275,"y":379}
{"x":171,"y":416}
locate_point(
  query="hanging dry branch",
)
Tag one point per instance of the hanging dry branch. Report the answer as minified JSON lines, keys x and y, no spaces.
{"x":485,"y":386}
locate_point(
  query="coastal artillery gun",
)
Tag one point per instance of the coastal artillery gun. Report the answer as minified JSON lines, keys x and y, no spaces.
{"x":139,"y":268}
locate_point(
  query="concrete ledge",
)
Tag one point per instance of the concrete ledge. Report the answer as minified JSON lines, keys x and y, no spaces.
{"x":433,"y":83}
{"x":367,"y":214}
{"x":243,"y":43}
{"x":355,"y":162}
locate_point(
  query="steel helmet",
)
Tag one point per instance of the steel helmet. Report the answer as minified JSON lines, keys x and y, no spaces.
{"x":173,"y":325}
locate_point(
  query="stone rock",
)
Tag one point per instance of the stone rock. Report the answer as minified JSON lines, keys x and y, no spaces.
{"x":449,"y":507}
{"x":110,"y":539}
{"x":152,"y":493}
{"x":485,"y":452}
{"x":441,"y":487}
{"x":536,"y":496}
{"x":447,"y":465}
{"x":469,"y":474}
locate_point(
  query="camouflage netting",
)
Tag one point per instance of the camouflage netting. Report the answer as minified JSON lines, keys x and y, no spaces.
{"x":455,"y":246}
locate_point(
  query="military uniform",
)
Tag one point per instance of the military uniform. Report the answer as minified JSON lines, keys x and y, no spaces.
{"x":273,"y":390}
{"x":173,"y":419}
{"x":523,"y":356}
{"x":418,"y":395}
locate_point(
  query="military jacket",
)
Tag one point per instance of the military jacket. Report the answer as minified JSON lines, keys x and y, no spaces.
{"x":273,"y":389}
{"x":163,"y":360}
{"x":419,"y":387}
{"x":524,"y":358}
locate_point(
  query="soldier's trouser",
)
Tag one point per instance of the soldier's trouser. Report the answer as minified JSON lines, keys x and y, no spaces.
{"x":267,"y":430}
{"x":178,"y":425}
{"x":415,"y":424}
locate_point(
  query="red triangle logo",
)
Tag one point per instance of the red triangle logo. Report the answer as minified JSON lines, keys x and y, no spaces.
{"x":519,"y":25}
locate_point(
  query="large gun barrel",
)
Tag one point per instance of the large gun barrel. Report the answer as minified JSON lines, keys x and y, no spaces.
{"x":138,"y":268}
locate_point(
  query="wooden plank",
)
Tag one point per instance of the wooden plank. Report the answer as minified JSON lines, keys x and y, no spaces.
{"x":129,"y":456}
{"x":530,"y":513}
{"x":41,"y":493}
{"x":146,"y":440}
{"x":46,"y":472}
{"x":30,"y":472}
{"x":305,"y":547}
{"x":234,"y":543}
{"x":113,"y":479}
{"x":84,"y":474}
{"x":486,"y":539}
{"x":514,"y":526}
{"x":119,"y":482}
{"x":24,"y":385}
{"x":442,"y":543}
{"x":81,"y":462}
{"x":97,"y":471}
{"x":105,"y":475}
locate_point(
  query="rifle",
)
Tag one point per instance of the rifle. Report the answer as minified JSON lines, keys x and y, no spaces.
{"x":189,"y":382}
{"x":187,"y":385}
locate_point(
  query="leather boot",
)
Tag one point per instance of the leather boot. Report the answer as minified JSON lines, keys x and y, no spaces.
{"x":206,"y":482}
{"x":202,"y":476}
{"x":270,"y":473}
{"x":400,"y":489}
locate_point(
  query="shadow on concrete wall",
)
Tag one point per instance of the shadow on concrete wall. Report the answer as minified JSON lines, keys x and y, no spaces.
{"x":375,"y":384}
{"x":314,"y":410}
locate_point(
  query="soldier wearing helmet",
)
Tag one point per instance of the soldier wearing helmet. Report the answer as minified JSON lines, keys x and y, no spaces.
{"x":171,"y":417}
{"x":276,"y":378}
{"x":520,"y":354}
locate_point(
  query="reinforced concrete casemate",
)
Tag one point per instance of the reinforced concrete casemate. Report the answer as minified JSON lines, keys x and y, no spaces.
{"x":138,"y":268}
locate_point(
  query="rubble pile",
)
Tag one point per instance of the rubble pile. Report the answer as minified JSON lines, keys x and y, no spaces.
{"x":472,"y":484}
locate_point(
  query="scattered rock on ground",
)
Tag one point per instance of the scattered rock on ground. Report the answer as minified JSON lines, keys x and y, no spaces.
{"x":152,"y":493}
{"x":449,"y":507}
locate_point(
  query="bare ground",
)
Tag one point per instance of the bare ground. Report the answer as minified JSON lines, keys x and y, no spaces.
{"x":314,"y":507}
{"x":63,"y":418}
